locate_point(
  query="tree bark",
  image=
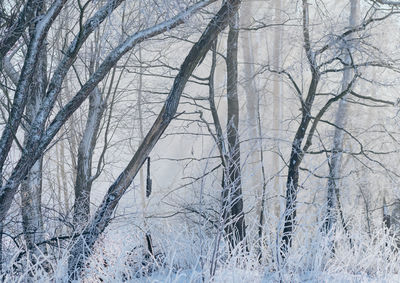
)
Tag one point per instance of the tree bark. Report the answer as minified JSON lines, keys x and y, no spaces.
{"x":296,"y":156}
{"x":84,"y":178}
{"x":31,"y":187}
{"x":234,"y":219}
{"x":62,"y":176}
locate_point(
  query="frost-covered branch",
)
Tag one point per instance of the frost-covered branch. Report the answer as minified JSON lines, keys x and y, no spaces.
{"x":21,"y":93}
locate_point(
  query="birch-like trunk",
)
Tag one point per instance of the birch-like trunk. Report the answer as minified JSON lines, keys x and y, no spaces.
{"x":84,"y":178}
{"x":335,"y":159}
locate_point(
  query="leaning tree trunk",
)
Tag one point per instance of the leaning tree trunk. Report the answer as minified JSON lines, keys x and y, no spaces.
{"x":104,"y":213}
{"x":335,"y":159}
{"x":232,"y":199}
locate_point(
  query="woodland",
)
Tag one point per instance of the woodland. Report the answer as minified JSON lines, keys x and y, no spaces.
{"x":199,"y":141}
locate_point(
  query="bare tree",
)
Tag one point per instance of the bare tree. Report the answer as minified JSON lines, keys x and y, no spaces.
{"x":31,"y":187}
{"x":232,"y":215}
{"x":32,"y":151}
{"x":91,"y":90}
{"x":340,"y":121}
{"x":232,"y":203}
{"x":321,"y":65}
{"x":84,"y":176}
{"x":40,"y":137}
{"x":296,"y":154}
{"x":102,"y":217}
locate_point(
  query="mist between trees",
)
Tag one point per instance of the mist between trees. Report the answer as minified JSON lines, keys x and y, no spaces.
{"x":199,"y":140}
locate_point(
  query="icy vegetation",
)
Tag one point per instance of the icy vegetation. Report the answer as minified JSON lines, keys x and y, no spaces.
{"x":199,"y":141}
{"x":180,"y":255}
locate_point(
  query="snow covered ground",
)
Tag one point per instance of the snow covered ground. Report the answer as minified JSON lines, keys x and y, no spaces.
{"x":182,"y":256}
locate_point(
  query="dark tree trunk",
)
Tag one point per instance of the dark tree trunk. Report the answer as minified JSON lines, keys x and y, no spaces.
{"x":296,"y":157}
{"x":232,"y":191}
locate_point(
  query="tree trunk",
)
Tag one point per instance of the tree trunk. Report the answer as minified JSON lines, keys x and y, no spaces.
{"x":297,"y":152}
{"x":232,"y":191}
{"x":335,"y":159}
{"x":31,"y":187}
{"x":21,"y":93}
{"x":296,"y":157}
{"x":62,"y":176}
{"x":84,"y":178}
